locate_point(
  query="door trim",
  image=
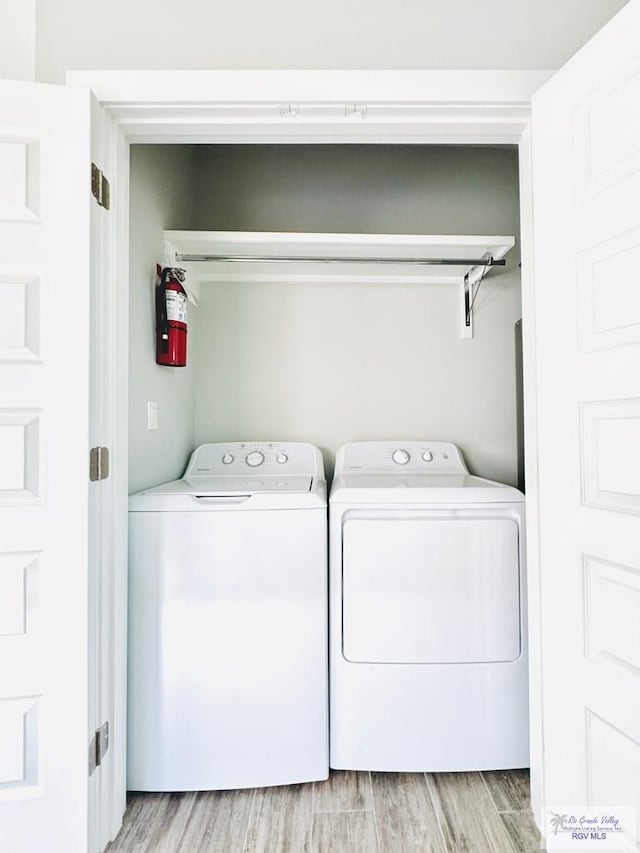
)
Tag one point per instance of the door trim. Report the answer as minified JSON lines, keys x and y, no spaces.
{"x":374,"y":107}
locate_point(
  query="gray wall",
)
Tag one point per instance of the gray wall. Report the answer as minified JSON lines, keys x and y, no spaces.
{"x":330,"y":364}
{"x":75,"y":34}
{"x":18,"y":39}
{"x":162,"y":184}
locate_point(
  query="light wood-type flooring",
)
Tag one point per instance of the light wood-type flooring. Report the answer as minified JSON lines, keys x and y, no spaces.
{"x":350,"y":813}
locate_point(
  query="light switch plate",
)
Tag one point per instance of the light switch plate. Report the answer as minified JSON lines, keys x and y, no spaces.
{"x":152,"y":415}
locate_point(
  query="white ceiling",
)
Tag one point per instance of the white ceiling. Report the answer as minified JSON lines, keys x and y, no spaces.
{"x":74,"y":34}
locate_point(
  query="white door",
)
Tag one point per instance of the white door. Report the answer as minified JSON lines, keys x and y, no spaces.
{"x":44,"y":450}
{"x":107,"y":497}
{"x":586,"y":173}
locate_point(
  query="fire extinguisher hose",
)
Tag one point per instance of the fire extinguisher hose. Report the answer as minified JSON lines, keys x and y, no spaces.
{"x":162,"y":319}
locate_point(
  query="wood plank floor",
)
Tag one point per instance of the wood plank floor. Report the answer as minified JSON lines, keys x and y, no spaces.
{"x":350,"y":813}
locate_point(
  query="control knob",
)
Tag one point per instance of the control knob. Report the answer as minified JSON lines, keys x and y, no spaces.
{"x":400,"y":457}
{"x":281,"y":458}
{"x":254,"y":458}
{"x":427,"y":456}
{"x":227,"y":459}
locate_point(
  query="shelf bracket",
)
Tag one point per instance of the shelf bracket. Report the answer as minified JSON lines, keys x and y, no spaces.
{"x":467,"y":319}
{"x":470,"y":286}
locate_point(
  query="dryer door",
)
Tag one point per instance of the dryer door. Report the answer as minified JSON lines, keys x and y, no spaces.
{"x":431,"y":588}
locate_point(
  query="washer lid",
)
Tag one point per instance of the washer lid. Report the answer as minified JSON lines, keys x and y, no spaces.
{"x":232,"y":493}
{"x":241,"y":485}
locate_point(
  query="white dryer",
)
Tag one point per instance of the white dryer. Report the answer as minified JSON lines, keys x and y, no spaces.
{"x":428,"y":629}
{"x":228,"y":681}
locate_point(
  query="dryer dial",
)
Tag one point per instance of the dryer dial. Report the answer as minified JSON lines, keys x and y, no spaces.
{"x":254,"y":458}
{"x":400,"y":457}
{"x":427,"y":456}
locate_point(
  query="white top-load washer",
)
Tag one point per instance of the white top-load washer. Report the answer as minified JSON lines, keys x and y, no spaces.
{"x":428,"y":638}
{"x":228,"y":622}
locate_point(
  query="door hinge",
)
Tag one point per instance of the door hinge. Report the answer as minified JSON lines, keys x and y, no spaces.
{"x":98,"y":747}
{"x":100,"y":188}
{"x":98,"y":463}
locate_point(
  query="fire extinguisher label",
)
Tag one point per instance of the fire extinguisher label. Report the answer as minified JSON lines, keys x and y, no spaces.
{"x":176,"y":306}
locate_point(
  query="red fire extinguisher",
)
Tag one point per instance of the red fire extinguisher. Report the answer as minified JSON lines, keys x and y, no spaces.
{"x":171,"y":318}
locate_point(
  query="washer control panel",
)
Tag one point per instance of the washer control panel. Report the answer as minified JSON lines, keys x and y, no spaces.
{"x":410,"y":456}
{"x":267,"y":457}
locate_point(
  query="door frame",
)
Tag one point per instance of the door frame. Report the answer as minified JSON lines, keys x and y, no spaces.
{"x":330,"y":107}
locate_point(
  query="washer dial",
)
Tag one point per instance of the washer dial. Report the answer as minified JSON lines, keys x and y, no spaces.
{"x":400,"y":457}
{"x":254,"y":458}
{"x":427,"y":456}
{"x":281,"y":458}
{"x":227,"y":459}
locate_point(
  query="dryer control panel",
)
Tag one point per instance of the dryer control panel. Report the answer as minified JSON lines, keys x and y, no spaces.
{"x":394,"y":456}
{"x":266,"y":458}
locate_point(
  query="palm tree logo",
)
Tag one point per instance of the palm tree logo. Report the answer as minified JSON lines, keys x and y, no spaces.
{"x":557,"y":821}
